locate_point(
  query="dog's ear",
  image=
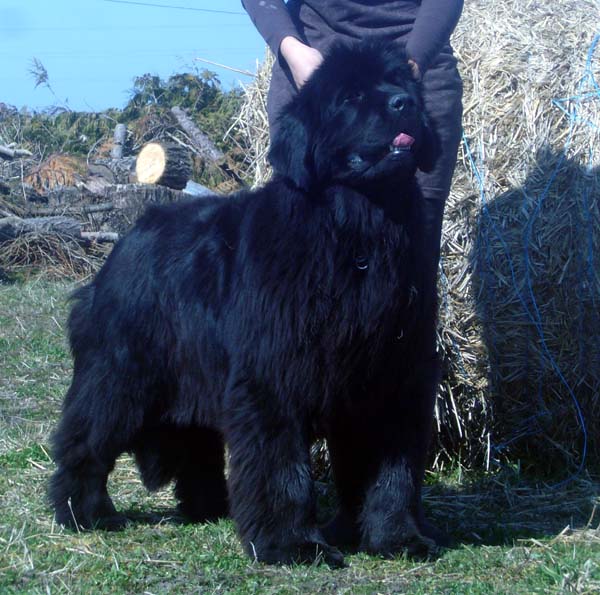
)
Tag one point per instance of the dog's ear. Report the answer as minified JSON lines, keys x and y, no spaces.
{"x":289,"y":151}
{"x":430,"y":147}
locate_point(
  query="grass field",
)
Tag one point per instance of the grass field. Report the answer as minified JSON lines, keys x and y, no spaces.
{"x":513,"y":535}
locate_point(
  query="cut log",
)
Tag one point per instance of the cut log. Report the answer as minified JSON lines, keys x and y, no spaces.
{"x":96,"y":185}
{"x":165,"y":164}
{"x":119,"y":139}
{"x":9,"y":153}
{"x":12,"y":227}
{"x":72,"y":210}
{"x":122,"y":204}
{"x":205,"y":147}
{"x":129,"y":202}
{"x":101,"y":171}
{"x":100,"y":236}
{"x":117,"y":171}
{"x":196,"y":189}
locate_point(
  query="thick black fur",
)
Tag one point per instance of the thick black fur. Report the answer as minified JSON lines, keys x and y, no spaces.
{"x":268,"y":318}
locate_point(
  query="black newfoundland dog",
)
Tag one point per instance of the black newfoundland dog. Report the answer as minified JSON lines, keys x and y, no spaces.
{"x":263,"y":320}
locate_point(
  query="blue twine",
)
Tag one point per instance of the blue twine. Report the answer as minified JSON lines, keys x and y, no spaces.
{"x":570,"y":106}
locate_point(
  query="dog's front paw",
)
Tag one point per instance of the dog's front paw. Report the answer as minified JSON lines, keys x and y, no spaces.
{"x":306,"y":552}
{"x":402,"y":536}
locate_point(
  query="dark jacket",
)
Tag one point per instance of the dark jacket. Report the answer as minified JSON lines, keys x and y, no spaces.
{"x":424,"y":26}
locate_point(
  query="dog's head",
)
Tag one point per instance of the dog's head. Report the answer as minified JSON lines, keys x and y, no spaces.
{"x":358,"y":119}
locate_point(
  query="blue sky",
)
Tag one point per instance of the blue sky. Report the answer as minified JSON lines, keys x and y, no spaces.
{"x":93,"y":49}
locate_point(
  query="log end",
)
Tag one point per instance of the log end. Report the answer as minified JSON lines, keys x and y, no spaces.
{"x":151,"y":163}
{"x":165,"y":164}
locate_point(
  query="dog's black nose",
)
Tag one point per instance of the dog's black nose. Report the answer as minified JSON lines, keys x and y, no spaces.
{"x":398,"y":102}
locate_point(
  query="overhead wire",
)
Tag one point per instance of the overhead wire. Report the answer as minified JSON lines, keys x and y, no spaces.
{"x":173,"y":7}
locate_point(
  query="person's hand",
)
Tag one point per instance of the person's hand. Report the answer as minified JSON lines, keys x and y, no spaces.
{"x":301,"y":58}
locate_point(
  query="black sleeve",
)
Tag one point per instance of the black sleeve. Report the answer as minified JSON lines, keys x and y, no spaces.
{"x":432,"y":28}
{"x":272,"y":20}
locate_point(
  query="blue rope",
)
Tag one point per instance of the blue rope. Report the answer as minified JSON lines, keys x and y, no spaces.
{"x":570,"y":106}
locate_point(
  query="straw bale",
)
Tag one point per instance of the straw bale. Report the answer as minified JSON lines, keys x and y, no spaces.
{"x":520,"y":274}
{"x":519,"y":277}
{"x":252,"y":124}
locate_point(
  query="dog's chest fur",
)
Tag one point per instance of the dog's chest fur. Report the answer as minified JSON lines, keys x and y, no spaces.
{"x":341,"y":284}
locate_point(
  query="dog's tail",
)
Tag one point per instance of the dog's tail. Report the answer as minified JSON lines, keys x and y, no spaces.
{"x":80,"y":317}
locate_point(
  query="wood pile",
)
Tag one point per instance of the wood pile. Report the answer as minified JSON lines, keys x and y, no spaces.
{"x":62,"y":214}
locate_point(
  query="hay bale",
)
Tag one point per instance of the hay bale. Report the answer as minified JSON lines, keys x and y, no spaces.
{"x":520,"y":274}
{"x":252,"y":125}
{"x":519,"y":278}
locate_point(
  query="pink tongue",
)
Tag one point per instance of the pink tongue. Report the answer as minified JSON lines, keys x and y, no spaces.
{"x":403,"y":140}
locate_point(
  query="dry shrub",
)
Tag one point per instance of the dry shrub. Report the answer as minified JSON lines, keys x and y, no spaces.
{"x":57,"y":170}
{"x":104,"y":149}
{"x":53,"y":255}
{"x":519,"y":278}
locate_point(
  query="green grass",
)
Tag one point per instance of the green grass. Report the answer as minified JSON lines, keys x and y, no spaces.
{"x":513,"y":535}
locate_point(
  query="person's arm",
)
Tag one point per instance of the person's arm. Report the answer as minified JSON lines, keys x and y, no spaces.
{"x":273,"y":22}
{"x":432,"y":28}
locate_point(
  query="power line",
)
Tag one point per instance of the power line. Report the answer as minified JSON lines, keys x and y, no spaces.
{"x":166,"y":52}
{"x":176,"y":7}
{"x":121,"y":27}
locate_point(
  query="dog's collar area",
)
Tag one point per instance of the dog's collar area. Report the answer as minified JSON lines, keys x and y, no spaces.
{"x":355,"y":161}
{"x":361,"y":262}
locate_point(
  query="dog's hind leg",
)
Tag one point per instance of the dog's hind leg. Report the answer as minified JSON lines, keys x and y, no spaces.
{"x":200,"y":484}
{"x":91,"y":435}
{"x":194,"y":457}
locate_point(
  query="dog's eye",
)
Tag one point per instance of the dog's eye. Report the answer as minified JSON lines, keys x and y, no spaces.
{"x":354,"y":97}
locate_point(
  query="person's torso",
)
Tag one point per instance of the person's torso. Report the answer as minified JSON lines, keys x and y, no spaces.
{"x":322,"y":20}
